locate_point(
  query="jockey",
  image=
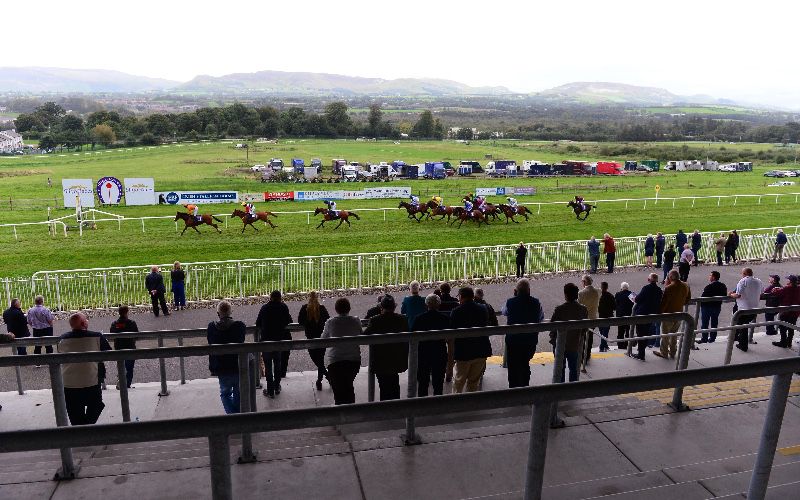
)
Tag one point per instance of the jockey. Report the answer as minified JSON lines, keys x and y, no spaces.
{"x":468,"y":205}
{"x":512,"y":202}
{"x":414,"y":201}
{"x":480,"y":203}
{"x":193,"y":210}
{"x":437,"y":199}
{"x":332,"y":208}
{"x":579,"y":201}
{"x":249,"y":209}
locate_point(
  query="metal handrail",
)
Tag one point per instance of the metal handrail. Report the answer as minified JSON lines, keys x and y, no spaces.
{"x":756,"y":311}
{"x":219,"y":428}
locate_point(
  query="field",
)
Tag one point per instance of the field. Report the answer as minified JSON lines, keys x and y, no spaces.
{"x":699,"y":110}
{"x":219,"y":166}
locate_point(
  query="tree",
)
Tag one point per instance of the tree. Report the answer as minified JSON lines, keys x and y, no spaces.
{"x":47,"y":142}
{"x":159,"y":125}
{"x":424,"y":128}
{"x":374,"y":119}
{"x":293,"y":122}
{"x":464,"y":134}
{"x":71,"y":132}
{"x":50,"y":114}
{"x":337,"y":118}
{"x":103,"y":134}
{"x":29,"y":122}
{"x":110,"y":118}
{"x":148,"y":139}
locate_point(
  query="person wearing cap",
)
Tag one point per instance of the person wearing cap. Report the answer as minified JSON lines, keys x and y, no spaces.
{"x":249,"y":209}
{"x":771,"y":301}
{"x":747,"y":295}
{"x":789,"y":295}
{"x":780,"y":241}
{"x":388,"y":361}
{"x":522,"y":253}
{"x":709,"y":311}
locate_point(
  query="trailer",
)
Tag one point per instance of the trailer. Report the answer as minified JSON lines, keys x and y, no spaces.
{"x":297,"y":165}
{"x":676,"y":165}
{"x":412,"y":171}
{"x":577,"y":167}
{"x":609,"y":168}
{"x":311,"y":172}
{"x":434,"y":170}
{"x":276,"y":164}
{"x":631,"y":166}
{"x":337,"y":164}
{"x":540,"y":169}
{"x":693,"y":165}
{"x":469,"y":167}
{"x":744,"y":166}
{"x":500,"y":168}
{"x":654,"y":165}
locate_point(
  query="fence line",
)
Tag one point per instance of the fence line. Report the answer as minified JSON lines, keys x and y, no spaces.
{"x":94,"y":288}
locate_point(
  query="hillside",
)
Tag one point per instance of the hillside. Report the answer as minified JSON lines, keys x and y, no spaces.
{"x":621,"y":93}
{"x":60,"y":80}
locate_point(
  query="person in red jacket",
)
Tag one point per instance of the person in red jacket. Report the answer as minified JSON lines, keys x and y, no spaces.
{"x":789,"y":295}
{"x":610,"y":250}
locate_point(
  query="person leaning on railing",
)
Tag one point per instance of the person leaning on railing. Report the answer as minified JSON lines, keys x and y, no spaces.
{"x":789,"y":295}
{"x":388,"y":361}
{"x":522,"y":308}
{"x":41,"y":320}
{"x":16,"y":324}
{"x":432,"y":354}
{"x":177,"y":278}
{"x":747,"y":295}
{"x":313,"y":316}
{"x":123,"y":324}
{"x":226,"y":366}
{"x":675,"y":296}
{"x":568,"y":311}
{"x":343,"y":361}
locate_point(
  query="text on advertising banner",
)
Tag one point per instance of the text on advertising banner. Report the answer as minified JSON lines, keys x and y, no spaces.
{"x":140,"y":191}
{"x":78,"y":189}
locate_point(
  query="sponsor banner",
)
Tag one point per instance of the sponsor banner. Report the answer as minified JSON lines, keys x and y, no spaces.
{"x":109,"y":191}
{"x":505,"y":191}
{"x":199,"y":197}
{"x":140,"y":191}
{"x":313,"y":195}
{"x":78,"y":192}
{"x":387,"y":192}
{"x":365,"y":194}
{"x":524,"y":191}
{"x":281,"y":196}
{"x":353,"y":195}
{"x":487,"y":191}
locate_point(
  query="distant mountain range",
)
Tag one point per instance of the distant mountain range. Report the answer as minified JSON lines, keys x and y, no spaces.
{"x":59,"y":80}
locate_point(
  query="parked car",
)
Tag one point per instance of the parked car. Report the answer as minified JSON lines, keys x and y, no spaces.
{"x":258,"y":168}
{"x":773,"y":173}
{"x":643,"y":168}
{"x":781,"y":183}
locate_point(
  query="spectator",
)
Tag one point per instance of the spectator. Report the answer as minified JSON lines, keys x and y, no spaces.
{"x":594,"y":254}
{"x":522,"y":253}
{"x":747,"y":294}
{"x":121,"y":325}
{"x":570,"y":310}
{"x":697,"y":244}
{"x":16,"y":324}
{"x":675,"y":296}
{"x":623,"y":307}
{"x":771,"y":301}
{"x":646,"y":302}
{"x":177,"y":278}
{"x":388,"y":361}
{"x":729,"y":242}
{"x":669,"y":261}
{"x":605,"y":309}
{"x":610,"y":250}
{"x":649,"y":249}
{"x":374,"y":310}
{"x":432,"y":354}
{"x":155,"y":286}
{"x":313,"y":316}
{"x":226,"y":366}
{"x":413,"y":305}
{"x":448,"y":304}
{"x":685,"y":262}
{"x":272,"y":320}
{"x":734,"y":237}
{"x":522,"y":308}
{"x":789,"y":295}
{"x":84,"y":398}
{"x":41,"y":321}
{"x":491,"y":315}
{"x":344,"y":361}
{"x":709,"y":311}
{"x":470,"y":353}
{"x":780,"y":242}
{"x":680,"y":239}
{"x":589,"y":297}
{"x":660,"y":244}
{"x":719,"y":245}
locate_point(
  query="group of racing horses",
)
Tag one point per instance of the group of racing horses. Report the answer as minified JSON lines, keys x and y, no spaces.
{"x":489,"y":211}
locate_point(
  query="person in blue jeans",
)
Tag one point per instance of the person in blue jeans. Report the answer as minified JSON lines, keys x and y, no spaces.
{"x":226,"y":366}
{"x":593,"y":247}
{"x":709,"y":311}
{"x":121,"y":325}
{"x":178,"y":279}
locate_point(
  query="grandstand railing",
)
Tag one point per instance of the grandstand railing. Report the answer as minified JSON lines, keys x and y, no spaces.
{"x":93,"y":288}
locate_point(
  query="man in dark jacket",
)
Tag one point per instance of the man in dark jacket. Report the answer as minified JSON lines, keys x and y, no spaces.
{"x":780,"y":241}
{"x":680,"y":239}
{"x":647,"y":302}
{"x":623,"y":306}
{"x":16,"y":323}
{"x":470,"y":353}
{"x":661,"y":242}
{"x":605,"y":309}
{"x":154,"y":283}
{"x":730,"y":247}
{"x":226,"y":366}
{"x":491,"y":315}
{"x":570,"y":310}
{"x":697,"y":244}
{"x":273,"y":318}
{"x":520,"y":309}
{"x":432,"y":354}
{"x":789,"y":295}
{"x":771,"y":301}
{"x":121,"y":325}
{"x":593,"y":247}
{"x":448,"y":304}
{"x":388,"y":361}
{"x":522,"y":253}
{"x":709,"y":311}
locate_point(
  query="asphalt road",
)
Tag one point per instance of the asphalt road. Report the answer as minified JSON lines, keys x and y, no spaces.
{"x":548,"y":289}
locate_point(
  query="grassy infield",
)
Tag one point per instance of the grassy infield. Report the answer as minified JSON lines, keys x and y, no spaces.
{"x":218,"y":167}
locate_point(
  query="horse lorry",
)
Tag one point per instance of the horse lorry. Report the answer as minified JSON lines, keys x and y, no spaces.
{"x":501,"y":168}
{"x":609,"y":168}
{"x":434,"y":170}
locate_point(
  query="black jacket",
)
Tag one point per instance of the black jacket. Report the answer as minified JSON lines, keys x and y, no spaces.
{"x":607,"y":305}
{"x":273,"y":318}
{"x":448,"y":303}
{"x":312,"y":328}
{"x":520,"y":310}
{"x":669,"y":257}
{"x":623,"y":303}
{"x":177,"y":275}
{"x":124,"y":325}
{"x":224,"y":331}
{"x":16,"y":322}
{"x":521,"y":253}
{"x":470,"y":315}
{"x":714,"y":289}
{"x":154,"y":281}
{"x":431,"y":350}
{"x":660,"y":244}
{"x":697,"y":241}
{"x":648,"y":301}
{"x":388,"y":358}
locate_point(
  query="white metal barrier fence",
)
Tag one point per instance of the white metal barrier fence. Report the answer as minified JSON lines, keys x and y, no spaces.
{"x":107,"y":287}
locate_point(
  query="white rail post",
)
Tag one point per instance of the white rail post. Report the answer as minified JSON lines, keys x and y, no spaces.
{"x":360,"y":274}
{"x":465,"y":263}
{"x":15,"y":232}
{"x":142,"y":225}
{"x":239,"y":279}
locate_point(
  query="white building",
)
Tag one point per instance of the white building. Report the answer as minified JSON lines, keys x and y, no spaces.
{"x":10,"y":141}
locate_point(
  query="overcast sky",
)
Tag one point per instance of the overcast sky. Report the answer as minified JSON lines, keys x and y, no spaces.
{"x":733,"y":49}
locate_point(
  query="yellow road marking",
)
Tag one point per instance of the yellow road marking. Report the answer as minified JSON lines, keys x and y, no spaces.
{"x":543,"y":358}
{"x":790,"y":450}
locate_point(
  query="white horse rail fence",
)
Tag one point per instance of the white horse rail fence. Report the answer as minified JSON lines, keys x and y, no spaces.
{"x":101,"y":288}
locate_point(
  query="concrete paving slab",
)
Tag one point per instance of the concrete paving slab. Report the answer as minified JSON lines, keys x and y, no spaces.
{"x":199,"y":398}
{"x":606,"y":486}
{"x":739,"y":482}
{"x":40,"y":489}
{"x":721,"y":467}
{"x":696,"y":436}
{"x":683,"y":491}
{"x":485,"y":466}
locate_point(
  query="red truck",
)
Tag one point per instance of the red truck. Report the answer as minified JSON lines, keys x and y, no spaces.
{"x":609,"y":168}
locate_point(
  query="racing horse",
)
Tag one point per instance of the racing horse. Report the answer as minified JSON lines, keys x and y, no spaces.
{"x":475,"y":215}
{"x":413,"y":211}
{"x":344,"y":216}
{"x":263,"y":216}
{"x":576,"y":207}
{"x":190,"y":221}
{"x":491,"y":210}
{"x":443,"y":210}
{"x":510,"y":212}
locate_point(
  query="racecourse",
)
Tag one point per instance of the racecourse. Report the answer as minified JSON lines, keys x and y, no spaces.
{"x":219,"y":166}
